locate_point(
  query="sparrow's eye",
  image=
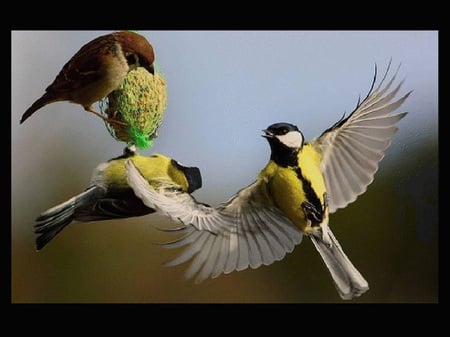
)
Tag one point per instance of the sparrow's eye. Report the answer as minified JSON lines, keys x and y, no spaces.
{"x":132,"y":59}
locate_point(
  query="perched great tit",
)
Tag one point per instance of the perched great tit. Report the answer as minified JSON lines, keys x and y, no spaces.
{"x":293,"y":195}
{"x":109,"y":196}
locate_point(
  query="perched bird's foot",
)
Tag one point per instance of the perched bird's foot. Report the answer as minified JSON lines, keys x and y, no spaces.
{"x":106,"y":119}
{"x":115,"y":121}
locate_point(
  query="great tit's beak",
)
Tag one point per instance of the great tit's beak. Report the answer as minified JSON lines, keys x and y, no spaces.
{"x":267,"y":134}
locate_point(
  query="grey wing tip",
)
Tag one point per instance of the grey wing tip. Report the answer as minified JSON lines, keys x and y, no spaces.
{"x":402,"y":115}
{"x":408,"y":93}
{"x":198,"y":280}
{"x":181,"y":229}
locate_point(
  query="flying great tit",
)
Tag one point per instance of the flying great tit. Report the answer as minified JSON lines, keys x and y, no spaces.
{"x":109,"y":196}
{"x":293,"y":196}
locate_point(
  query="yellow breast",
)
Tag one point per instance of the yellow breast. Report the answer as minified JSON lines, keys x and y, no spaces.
{"x":289,"y":191}
{"x":309,"y":161}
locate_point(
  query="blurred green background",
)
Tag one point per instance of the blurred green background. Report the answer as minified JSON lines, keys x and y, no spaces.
{"x":224,"y":87}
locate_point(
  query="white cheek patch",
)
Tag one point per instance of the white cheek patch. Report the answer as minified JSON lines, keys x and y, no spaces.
{"x":292,"y":139}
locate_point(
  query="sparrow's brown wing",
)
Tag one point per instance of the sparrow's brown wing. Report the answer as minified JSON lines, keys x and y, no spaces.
{"x":85,"y":66}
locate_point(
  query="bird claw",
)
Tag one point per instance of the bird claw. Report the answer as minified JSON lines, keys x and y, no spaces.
{"x":114,"y":121}
{"x":106,"y":119}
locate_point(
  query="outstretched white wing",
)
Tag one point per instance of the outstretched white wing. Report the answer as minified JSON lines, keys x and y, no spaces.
{"x":245,"y":231}
{"x":353,"y":147}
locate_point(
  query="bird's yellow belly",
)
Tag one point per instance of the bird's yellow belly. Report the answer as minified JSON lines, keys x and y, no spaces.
{"x":293,"y":187}
{"x":288,"y":195}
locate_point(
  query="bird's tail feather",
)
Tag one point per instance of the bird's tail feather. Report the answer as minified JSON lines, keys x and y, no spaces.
{"x":53,"y":221}
{"x":44,"y":100}
{"x":349,"y":282}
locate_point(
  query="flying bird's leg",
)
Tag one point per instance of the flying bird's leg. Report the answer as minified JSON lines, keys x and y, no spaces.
{"x":312,"y":213}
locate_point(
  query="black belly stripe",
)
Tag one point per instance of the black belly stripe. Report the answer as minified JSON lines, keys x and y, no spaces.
{"x":313,"y":206}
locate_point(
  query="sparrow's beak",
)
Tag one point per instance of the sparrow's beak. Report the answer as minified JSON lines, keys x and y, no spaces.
{"x":267,"y":134}
{"x":151,"y":69}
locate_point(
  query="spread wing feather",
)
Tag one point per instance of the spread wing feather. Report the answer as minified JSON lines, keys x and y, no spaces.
{"x":353,"y":147}
{"x":245,"y":231}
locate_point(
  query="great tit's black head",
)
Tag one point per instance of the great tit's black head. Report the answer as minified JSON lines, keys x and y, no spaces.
{"x":193,"y":176}
{"x":285,"y":135}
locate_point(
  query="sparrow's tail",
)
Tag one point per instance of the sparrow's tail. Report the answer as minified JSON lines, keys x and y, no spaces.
{"x":349,"y":282}
{"x":53,"y":220}
{"x":44,"y":100}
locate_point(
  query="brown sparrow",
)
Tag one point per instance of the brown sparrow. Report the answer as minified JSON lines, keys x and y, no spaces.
{"x":96,"y":70}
